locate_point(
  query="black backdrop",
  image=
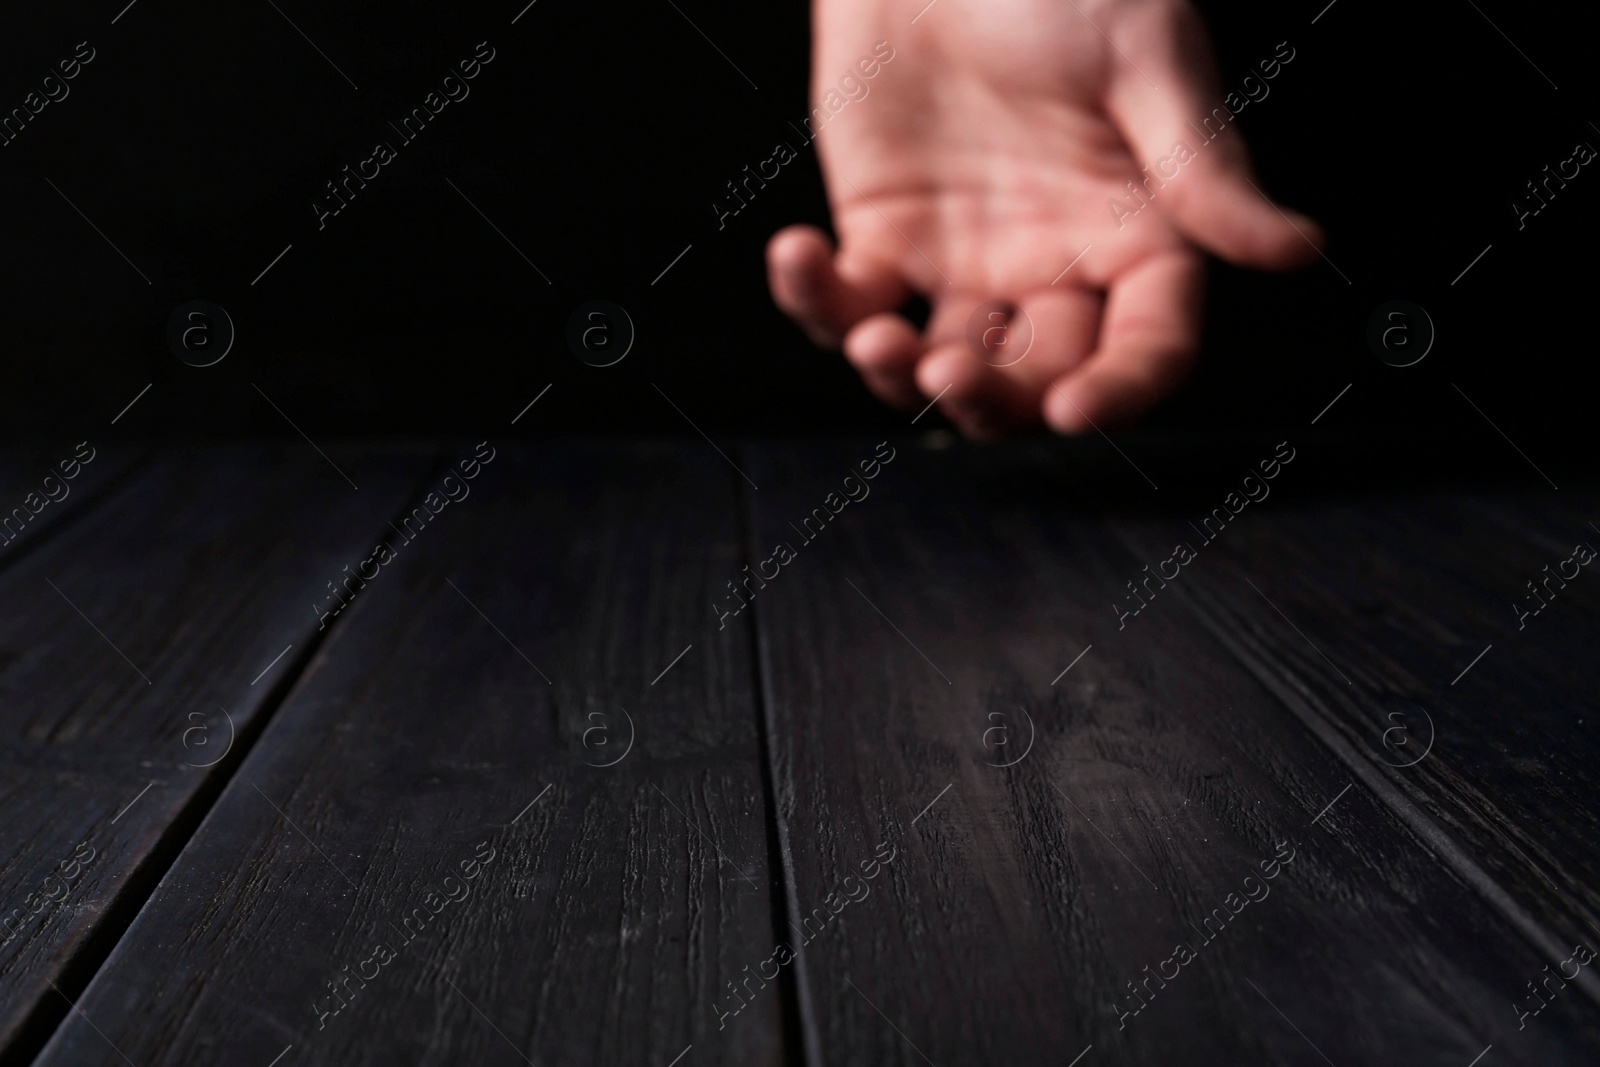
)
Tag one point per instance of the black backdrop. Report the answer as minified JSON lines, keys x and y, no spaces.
{"x":596,"y":140}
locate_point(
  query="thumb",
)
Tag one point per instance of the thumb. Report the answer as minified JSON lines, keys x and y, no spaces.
{"x":1166,"y":101}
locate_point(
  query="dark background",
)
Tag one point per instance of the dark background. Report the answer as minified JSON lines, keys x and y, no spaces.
{"x":596,"y":141}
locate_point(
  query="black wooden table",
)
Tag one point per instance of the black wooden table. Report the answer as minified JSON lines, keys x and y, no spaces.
{"x":842,"y":752}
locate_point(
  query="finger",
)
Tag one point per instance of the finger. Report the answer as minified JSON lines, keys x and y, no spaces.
{"x":1061,"y":325}
{"x":1148,"y":341}
{"x":976,"y":349}
{"x":827,"y":293}
{"x":1167,"y":101}
{"x":988,"y":378}
{"x":951,"y":317}
{"x":884,"y":350}
{"x":983,"y":401}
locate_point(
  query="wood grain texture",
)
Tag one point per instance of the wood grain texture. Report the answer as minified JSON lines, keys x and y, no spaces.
{"x":618,"y":900}
{"x":1397,"y":598}
{"x":1161,"y":774}
{"x":130,"y":639}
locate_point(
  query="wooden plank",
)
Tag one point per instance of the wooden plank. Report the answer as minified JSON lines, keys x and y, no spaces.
{"x":1414,"y":654}
{"x":462,"y":709}
{"x":44,"y":484}
{"x":139,"y":650}
{"x":970,"y":593}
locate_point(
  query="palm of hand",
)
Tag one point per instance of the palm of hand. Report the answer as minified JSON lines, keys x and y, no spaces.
{"x":982,"y":166}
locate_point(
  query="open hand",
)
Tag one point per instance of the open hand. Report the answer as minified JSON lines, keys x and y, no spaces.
{"x":988,"y":155}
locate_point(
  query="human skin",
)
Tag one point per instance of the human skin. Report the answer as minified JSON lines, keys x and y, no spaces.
{"x":982,"y":163}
